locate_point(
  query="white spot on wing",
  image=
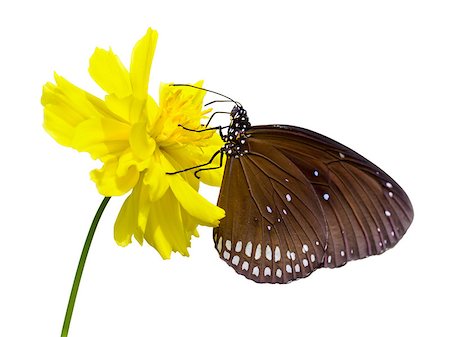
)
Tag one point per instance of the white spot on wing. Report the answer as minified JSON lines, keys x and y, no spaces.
{"x":305,"y":248}
{"x":313,"y":258}
{"x":391,"y":194}
{"x":226,"y":255}
{"x":284,"y":211}
{"x":297,"y":268}
{"x":228,"y":244}
{"x":277,"y":254}
{"x":219,"y":245}
{"x":269,"y":209}
{"x":238,"y":247}
{"x":388,"y":185}
{"x":267,"y":271}
{"x":387,"y":213}
{"x":289,"y":268}
{"x":279,"y":273}
{"x":326,"y":196}
{"x":329,"y":259}
{"x":288,"y":197}
{"x":258,"y":252}
{"x":255,"y":271}
{"x":245,"y":265}
{"x":235,"y":260}
{"x":248,"y":249}
{"x":316,"y":173}
{"x":268,"y":253}
{"x":305,"y":262}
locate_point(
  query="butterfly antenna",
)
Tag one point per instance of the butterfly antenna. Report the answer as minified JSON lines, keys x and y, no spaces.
{"x":218,"y":101}
{"x":207,"y":90}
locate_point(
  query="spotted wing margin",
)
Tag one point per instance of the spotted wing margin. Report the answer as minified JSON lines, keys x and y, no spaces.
{"x":269,"y":235}
{"x":366,"y":211}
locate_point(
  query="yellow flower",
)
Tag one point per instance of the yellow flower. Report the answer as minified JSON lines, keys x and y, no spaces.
{"x":138,"y":141}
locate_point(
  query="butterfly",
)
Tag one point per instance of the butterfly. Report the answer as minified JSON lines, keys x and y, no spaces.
{"x":297,"y":201}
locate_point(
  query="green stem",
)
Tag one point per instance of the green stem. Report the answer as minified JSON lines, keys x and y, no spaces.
{"x":79,"y":273}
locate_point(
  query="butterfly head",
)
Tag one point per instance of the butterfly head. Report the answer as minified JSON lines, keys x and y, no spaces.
{"x":239,"y":119}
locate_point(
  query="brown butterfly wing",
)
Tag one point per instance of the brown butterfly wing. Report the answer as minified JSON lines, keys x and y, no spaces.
{"x":269,"y":234}
{"x":366,"y":211}
{"x":299,"y":192}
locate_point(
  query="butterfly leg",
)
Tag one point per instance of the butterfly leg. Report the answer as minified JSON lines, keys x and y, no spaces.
{"x":220,"y":128}
{"x":201,"y":165}
{"x":214,"y":113}
{"x":211,"y":168}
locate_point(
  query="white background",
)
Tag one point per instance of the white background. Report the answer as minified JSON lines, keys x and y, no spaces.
{"x":374,"y":75}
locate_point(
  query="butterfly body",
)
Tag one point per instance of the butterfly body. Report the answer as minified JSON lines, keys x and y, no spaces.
{"x":297,"y":201}
{"x":235,"y":139}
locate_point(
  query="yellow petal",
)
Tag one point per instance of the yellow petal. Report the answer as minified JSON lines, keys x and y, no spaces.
{"x":109,"y":183}
{"x":123,"y":227}
{"x":101,"y":107}
{"x":143,"y":211}
{"x":165,"y":230}
{"x":156,"y":180}
{"x":65,"y":107}
{"x":141,"y":62}
{"x":141,"y":144}
{"x":185,"y":101}
{"x":119,"y":106}
{"x":101,"y":137}
{"x":152,"y":112}
{"x":57,"y":126}
{"x":126,"y":160}
{"x":109,"y":73}
{"x":190,"y":225}
{"x":180,"y":159}
{"x":141,"y":218}
{"x":75,"y":99}
{"x":60,"y":105}
{"x":133,"y":216}
{"x":194,"y":203}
